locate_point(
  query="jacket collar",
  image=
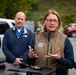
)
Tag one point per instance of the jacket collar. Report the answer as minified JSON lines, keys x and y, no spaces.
{"x":53,"y":34}
{"x":14,"y":28}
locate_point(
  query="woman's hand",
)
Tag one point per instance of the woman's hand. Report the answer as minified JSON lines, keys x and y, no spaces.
{"x":32,"y":53}
{"x":54,"y":56}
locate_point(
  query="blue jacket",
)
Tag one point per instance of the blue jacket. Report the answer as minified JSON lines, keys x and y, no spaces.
{"x":14,"y":46}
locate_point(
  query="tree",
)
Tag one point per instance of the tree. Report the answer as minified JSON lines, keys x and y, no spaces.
{"x":8,"y":8}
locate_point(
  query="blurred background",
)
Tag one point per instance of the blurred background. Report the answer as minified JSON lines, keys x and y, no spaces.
{"x":35,"y":9}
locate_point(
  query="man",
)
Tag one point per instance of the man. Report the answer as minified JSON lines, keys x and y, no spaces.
{"x":15,"y":44}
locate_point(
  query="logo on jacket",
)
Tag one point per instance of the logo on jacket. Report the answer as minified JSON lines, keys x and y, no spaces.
{"x":40,"y":45}
{"x":24,"y":35}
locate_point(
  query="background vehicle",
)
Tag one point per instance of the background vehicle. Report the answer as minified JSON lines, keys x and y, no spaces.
{"x":30,"y":25}
{"x":70,"y":30}
{"x":4,"y":25}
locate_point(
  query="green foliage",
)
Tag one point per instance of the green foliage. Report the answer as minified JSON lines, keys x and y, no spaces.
{"x":41,"y":17}
{"x":69,"y":19}
{"x":35,"y":9}
{"x":29,"y":15}
{"x":8,"y":8}
{"x":34,"y":5}
{"x":31,"y":5}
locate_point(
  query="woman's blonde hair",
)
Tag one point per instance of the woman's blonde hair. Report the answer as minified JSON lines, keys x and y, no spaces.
{"x":47,"y":13}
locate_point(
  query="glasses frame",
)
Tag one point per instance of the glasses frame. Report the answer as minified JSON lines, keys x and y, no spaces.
{"x":52,"y":21}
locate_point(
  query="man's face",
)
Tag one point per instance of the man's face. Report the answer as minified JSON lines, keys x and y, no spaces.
{"x":19,"y":20}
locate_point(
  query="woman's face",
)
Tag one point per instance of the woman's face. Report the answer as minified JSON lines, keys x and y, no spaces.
{"x":51,"y":22}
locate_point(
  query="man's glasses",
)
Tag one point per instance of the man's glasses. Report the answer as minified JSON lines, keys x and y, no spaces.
{"x":52,"y":21}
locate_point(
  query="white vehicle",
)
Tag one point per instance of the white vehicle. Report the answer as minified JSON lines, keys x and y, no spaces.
{"x":30,"y":25}
{"x":4,"y":25}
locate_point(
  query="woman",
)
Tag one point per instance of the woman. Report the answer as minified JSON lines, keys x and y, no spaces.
{"x":53,"y":48}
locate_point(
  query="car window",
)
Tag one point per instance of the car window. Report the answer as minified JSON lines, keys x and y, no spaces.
{"x":30,"y":26}
{"x":75,"y":26}
{"x":3,"y":27}
{"x":13,"y":23}
{"x":66,"y":26}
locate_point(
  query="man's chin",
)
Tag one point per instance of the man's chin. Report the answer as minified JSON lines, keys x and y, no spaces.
{"x":19,"y":27}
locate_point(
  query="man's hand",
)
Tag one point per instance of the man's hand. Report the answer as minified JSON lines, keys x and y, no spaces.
{"x":32,"y":53}
{"x":17,"y":61}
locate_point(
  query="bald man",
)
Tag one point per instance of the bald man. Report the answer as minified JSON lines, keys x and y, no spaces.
{"x":15,"y":44}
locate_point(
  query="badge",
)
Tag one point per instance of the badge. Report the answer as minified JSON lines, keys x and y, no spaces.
{"x":24,"y":35}
{"x":40,"y":45}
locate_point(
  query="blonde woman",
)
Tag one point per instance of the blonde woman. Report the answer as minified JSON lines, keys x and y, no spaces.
{"x":53,"y":48}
